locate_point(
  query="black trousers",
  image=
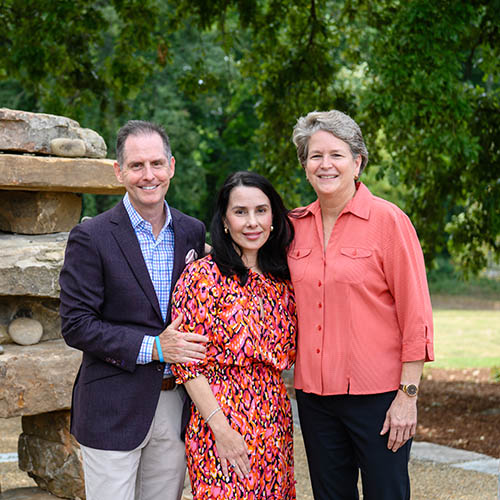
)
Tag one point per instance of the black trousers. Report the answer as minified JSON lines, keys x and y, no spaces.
{"x":342,"y":438}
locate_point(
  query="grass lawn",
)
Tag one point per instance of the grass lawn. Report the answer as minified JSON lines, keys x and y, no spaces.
{"x":466,"y":338}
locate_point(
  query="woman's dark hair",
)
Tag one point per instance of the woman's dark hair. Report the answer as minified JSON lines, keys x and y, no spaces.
{"x":271,"y":257}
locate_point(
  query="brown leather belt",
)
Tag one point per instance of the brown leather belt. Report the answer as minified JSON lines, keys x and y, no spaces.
{"x":168,"y":384}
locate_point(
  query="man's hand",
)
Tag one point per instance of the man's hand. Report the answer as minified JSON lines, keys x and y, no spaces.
{"x":180,"y":347}
{"x":400,"y":420}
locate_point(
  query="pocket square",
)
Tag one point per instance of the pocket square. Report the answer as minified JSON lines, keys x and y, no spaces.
{"x":191,"y":256}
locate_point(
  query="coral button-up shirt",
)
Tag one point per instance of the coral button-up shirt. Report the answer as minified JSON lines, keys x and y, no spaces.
{"x":363,"y":304}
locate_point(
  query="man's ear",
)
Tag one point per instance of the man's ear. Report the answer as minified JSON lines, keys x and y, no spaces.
{"x":118,"y":172}
{"x":172,"y":167}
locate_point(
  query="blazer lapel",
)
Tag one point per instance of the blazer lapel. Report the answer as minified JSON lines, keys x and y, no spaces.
{"x":126,"y":238}
{"x":180,"y":240}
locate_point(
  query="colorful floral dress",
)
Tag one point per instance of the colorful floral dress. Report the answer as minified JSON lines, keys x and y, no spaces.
{"x":251,"y":332}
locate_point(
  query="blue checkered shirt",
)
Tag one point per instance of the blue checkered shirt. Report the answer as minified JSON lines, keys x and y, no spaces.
{"x":159,"y":258}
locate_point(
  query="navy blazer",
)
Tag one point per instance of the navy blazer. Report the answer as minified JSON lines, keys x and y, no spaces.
{"x":108,"y":304}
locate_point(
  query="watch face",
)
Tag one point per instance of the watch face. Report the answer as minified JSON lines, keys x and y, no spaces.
{"x":411,"y":389}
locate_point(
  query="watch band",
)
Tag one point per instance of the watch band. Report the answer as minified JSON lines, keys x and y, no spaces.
{"x":409,"y":389}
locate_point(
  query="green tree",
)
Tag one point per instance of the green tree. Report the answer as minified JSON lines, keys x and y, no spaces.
{"x":421,"y":78}
{"x":229,"y":79}
{"x":434,"y":93}
{"x":60,"y":51}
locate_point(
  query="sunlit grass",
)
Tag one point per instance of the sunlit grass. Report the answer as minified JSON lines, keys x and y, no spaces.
{"x":466,"y":339}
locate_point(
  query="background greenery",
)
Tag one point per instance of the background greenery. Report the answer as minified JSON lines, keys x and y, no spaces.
{"x":229,"y":78}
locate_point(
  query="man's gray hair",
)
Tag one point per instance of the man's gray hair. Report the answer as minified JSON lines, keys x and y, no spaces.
{"x":139,"y":127}
{"x":335,"y":122}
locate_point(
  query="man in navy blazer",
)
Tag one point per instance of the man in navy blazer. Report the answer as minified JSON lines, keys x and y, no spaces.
{"x":119,"y":271}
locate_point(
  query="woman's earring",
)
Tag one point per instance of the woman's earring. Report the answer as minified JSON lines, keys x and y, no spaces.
{"x":226,"y":230}
{"x":272,"y":227}
{"x":356,"y":177}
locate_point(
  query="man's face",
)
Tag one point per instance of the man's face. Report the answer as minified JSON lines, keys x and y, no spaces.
{"x":145,"y":172}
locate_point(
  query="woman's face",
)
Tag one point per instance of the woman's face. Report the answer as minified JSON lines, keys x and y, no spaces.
{"x":248,"y":218}
{"x":330,"y":166}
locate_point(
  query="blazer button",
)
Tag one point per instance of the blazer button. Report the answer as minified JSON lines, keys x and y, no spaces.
{"x":159,"y":368}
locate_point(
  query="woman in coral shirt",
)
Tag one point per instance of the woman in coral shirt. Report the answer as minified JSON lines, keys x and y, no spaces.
{"x":364,"y":319}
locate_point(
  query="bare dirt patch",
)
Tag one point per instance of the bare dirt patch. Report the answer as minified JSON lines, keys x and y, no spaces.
{"x":461,"y":409}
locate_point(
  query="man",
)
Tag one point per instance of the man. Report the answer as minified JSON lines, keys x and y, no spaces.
{"x":119,"y":271}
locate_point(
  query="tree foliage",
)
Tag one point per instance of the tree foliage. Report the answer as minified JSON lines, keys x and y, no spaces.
{"x":434,"y":92}
{"x":72,"y":54}
{"x":229,"y":78}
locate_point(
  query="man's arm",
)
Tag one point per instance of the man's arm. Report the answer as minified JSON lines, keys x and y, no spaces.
{"x":82,"y":299}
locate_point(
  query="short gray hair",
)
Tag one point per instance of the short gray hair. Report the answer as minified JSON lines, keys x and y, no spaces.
{"x":139,"y":127}
{"x":335,"y":122}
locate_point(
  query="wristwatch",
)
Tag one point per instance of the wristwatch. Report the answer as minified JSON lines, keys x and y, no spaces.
{"x":410,"y":389}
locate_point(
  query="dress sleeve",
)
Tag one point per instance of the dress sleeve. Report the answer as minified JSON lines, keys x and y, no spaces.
{"x":193,"y":297}
{"x":406,"y":277}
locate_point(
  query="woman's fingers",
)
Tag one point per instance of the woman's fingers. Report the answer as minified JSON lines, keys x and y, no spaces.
{"x":224,"y":465}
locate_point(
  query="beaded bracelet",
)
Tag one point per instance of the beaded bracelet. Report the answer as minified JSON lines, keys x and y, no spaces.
{"x":158,"y":348}
{"x":212,"y":414}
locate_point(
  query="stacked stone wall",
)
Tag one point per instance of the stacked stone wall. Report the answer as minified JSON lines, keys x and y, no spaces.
{"x":46,"y":162}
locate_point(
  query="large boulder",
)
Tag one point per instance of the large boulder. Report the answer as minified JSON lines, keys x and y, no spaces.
{"x":28,"y":212}
{"x":30,"y":265}
{"x":51,"y":455}
{"x":37,"y":379}
{"x":26,"y":132}
{"x":72,"y":175}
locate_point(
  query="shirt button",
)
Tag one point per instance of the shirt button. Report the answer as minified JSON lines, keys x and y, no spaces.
{"x":319,"y":328}
{"x":317,"y":350}
{"x":320,"y":305}
{"x":319,"y":283}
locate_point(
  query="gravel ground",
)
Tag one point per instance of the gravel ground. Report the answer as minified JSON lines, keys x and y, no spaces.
{"x":429,"y":481}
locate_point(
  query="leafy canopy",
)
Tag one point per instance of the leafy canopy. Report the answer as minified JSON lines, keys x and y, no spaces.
{"x":229,"y":78}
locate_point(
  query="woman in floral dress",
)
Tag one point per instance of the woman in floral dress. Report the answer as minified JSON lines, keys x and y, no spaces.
{"x":239,"y":441}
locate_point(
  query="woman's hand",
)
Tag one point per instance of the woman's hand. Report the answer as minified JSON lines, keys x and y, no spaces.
{"x":400,"y":420}
{"x":232,"y":451}
{"x":230,"y":445}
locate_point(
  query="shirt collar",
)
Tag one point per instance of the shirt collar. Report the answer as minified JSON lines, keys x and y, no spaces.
{"x":359,"y":205}
{"x":136,"y":219}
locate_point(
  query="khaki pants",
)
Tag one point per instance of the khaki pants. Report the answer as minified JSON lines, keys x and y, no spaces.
{"x":155,"y":470}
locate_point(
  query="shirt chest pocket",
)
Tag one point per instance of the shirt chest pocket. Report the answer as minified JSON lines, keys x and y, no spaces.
{"x":352,"y":265}
{"x":298,"y":261}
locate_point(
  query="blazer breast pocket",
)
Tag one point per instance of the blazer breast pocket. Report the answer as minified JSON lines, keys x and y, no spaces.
{"x":352,"y":265}
{"x":298,"y":262}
